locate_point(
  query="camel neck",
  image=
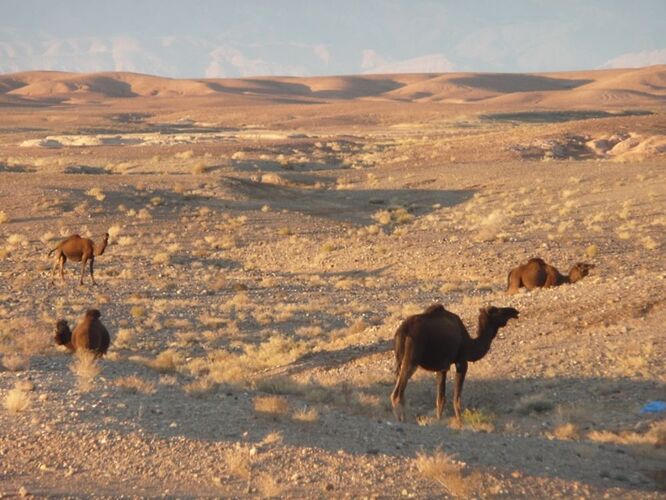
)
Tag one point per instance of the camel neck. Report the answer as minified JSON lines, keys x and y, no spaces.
{"x":478,"y":347}
{"x":99,"y":250}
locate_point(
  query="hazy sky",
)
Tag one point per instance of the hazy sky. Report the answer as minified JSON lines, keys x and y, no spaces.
{"x":197,"y":38}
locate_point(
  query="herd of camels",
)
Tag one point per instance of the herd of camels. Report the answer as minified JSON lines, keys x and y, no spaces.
{"x":433,"y":340}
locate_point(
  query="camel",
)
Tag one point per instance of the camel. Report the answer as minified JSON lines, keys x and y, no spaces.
{"x":436,"y":339}
{"x":79,"y":250}
{"x":536,"y":273}
{"x":90,"y":334}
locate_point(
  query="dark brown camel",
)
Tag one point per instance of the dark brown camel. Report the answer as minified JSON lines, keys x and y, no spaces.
{"x":79,"y":250}
{"x":436,"y":339}
{"x":90,"y":334}
{"x":536,"y":273}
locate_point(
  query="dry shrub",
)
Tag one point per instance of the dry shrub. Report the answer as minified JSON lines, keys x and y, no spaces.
{"x":277,"y":385}
{"x":268,"y":486}
{"x":161,"y":258}
{"x":272,"y":439}
{"x":271,"y":405}
{"x":86,"y":368}
{"x":138,"y":312}
{"x":200,"y":387}
{"x":440,"y":468}
{"x":96,"y":193}
{"x":134,"y":385}
{"x":592,"y":251}
{"x":165,"y":362}
{"x":478,"y":420}
{"x":536,"y":403}
{"x":15,"y":362}
{"x":21,"y":338}
{"x":567,"y":431}
{"x":239,"y":462}
{"x":185,"y":155}
{"x":114,"y":231}
{"x":17,"y":400}
{"x":306,"y":415}
{"x":655,"y":437}
{"x":124,"y":338}
{"x":199,"y":168}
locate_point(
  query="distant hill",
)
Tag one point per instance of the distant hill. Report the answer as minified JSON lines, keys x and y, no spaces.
{"x":624,"y":87}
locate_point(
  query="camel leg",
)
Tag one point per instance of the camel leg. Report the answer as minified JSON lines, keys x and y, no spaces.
{"x":441,"y":392}
{"x":92,"y":260}
{"x":53,"y":271}
{"x":514,"y":283}
{"x":62,"y":261}
{"x":398,"y":396}
{"x":83,"y":269}
{"x":461,"y":371}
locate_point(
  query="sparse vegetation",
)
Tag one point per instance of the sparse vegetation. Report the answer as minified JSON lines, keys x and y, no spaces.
{"x":85,"y":367}
{"x":17,"y":400}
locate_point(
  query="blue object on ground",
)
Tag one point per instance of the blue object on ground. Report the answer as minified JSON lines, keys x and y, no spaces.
{"x":654,"y":407}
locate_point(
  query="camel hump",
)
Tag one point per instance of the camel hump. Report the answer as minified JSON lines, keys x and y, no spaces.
{"x":537,"y":260}
{"x":93,"y":313}
{"x":435,"y":310}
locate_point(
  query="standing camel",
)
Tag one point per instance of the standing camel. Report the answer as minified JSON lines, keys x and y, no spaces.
{"x":79,"y":250}
{"x":436,"y":339}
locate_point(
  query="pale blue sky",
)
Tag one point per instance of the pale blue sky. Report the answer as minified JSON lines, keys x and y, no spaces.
{"x":200,"y":38}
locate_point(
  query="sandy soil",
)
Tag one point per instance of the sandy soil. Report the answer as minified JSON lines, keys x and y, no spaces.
{"x":267,"y":238}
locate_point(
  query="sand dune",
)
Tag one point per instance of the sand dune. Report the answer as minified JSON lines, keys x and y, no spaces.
{"x":642,"y":86}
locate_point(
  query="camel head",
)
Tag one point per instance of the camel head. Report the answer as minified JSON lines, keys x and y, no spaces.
{"x":93,"y":314}
{"x":99,"y":248}
{"x":497,"y":317}
{"x":63,"y":334}
{"x":579,"y":271}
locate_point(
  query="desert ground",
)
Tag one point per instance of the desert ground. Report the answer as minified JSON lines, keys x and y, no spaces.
{"x":268,"y":236}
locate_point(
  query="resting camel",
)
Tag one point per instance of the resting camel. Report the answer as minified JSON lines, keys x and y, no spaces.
{"x":536,"y":273}
{"x":436,"y":339}
{"x":90,"y":334}
{"x":79,"y":250}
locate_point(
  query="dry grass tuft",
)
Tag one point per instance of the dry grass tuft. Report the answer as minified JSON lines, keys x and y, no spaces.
{"x":567,"y":431}
{"x":3,"y":217}
{"x":15,"y":362}
{"x":17,"y":400}
{"x":440,"y":468}
{"x":239,"y":462}
{"x":165,"y":362}
{"x":592,"y":251}
{"x":478,"y":420}
{"x":272,"y":439}
{"x":306,"y":415}
{"x":268,"y":486}
{"x":271,"y":405}
{"x":653,"y":439}
{"x":536,"y":403}
{"x":86,"y":368}
{"x":134,"y":385}
{"x":200,"y":387}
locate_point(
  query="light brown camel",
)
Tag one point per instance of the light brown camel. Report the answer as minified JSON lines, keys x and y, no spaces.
{"x":90,"y":334}
{"x":436,"y":339}
{"x":536,"y":273}
{"x":79,"y":250}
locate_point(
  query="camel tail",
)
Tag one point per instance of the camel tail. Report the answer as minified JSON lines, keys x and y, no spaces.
{"x":399,"y":346}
